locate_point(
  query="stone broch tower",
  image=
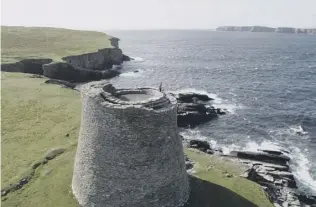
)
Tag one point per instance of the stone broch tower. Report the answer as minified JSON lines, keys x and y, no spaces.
{"x":129,"y":152}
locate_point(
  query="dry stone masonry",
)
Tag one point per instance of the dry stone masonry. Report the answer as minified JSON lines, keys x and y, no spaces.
{"x":129,"y":151}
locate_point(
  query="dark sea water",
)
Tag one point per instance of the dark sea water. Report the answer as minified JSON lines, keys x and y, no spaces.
{"x":266,"y":81}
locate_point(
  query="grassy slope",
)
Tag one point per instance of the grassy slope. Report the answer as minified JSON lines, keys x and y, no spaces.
{"x":36,"y":117}
{"x":37,"y":42}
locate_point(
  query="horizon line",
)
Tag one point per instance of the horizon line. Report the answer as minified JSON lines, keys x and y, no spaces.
{"x":145,"y":29}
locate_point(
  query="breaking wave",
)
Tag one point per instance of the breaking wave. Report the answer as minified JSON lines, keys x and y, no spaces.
{"x":217,"y":102}
{"x":299,"y":164}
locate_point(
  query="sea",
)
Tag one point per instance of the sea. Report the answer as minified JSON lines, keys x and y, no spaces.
{"x":265,"y":81}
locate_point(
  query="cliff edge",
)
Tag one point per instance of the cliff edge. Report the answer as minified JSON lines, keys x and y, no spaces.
{"x":71,"y":55}
{"x":266,"y":29}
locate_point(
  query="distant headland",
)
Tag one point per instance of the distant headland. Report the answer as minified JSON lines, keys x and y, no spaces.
{"x":267,"y":29}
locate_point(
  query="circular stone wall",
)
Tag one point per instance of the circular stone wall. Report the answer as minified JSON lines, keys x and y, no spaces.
{"x":129,"y":151}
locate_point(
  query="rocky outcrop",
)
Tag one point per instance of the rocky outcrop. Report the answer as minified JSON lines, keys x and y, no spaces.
{"x":192,"y":97}
{"x":195,"y":109}
{"x":76,"y":68}
{"x":201,"y":145}
{"x":33,"y":66}
{"x":269,"y":168}
{"x":100,"y":60}
{"x":262,"y":156}
{"x":127,"y":58}
{"x":114,"y":41}
{"x":67,"y":72}
{"x":79,"y":68}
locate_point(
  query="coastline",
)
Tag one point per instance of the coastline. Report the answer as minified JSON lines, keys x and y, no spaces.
{"x":288,"y":30}
{"x":206,"y":155}
{"x":59,"y":146}
{"x":80,"y":61}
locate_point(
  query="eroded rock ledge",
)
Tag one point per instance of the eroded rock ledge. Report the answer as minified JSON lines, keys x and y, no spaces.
{"x":269,"y":168}
{"x":76,"y":68}
{"x":79,"y":68}
{"x":195,"y":109}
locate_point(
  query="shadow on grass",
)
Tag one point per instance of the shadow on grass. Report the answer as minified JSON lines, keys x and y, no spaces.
{"x":207,"y":194}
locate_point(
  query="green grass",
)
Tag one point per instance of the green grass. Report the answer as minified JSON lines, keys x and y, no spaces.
{"x":214,"y":170}
{"x":36,"y":118}
{"x":40,"y":42}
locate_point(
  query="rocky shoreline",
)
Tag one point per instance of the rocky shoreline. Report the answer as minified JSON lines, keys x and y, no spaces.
{"x":269,"y":168}
{"x":195,"y":109}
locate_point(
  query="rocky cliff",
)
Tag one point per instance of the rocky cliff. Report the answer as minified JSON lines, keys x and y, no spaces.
{"x":285,"y":30}
{"x":64,"y":54}
{"x":262,"y":29}
{"x":77,"y":68}
{"x":246,"y":28}
{"x":266,"y":29}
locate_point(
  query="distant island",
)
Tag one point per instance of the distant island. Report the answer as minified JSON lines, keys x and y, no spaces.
{"x":266,"y":29}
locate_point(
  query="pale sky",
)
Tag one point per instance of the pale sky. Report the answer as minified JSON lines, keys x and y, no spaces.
{"x":157,"y":14}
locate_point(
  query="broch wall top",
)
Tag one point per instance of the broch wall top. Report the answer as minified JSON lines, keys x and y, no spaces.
{"x":129,"y":151}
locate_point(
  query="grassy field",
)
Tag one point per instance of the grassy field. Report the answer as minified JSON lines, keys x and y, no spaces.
{"x":38,"y":42}
{"x":37,"y":117}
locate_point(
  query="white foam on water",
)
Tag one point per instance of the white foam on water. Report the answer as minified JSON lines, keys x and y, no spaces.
{"x":203,"y":92}
{"x":252,"y":146}
{"x":217,"y":102}
{"x":139,"y":59}
{"x":193,"y":134}
{"x":231,"y":108}
{"x":298,"y":130}
{"x":295,"y":130}
{"x":300,"y":165}
{"x":132,"y":74}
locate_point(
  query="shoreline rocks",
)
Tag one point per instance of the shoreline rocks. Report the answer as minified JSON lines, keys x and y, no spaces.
{"x":280,"y":159}
{"x":195,"y":109}
{"x":67,"y":72}
{"x":268,"y":168}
